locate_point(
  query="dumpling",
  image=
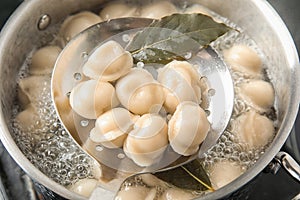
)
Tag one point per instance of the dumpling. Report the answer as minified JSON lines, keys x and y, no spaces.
{"x":31,"y":88}
{"x":84,"y":187}
{"x":92,"y":98}
{"x":196,"y":8}
{"x":29,"y":119}
{"x":75,"y":24}
{"x":244,"y":59}
{"x":108,"y":62}
{"x":181,"y":82}
{"x":133,"y":193}
{"x":157,"y":10}
{"x":224,"y":172}
{"x":152,"y":181}
{"x":188,"y":128}
{"x":147,"y":141}
{"x":176,"y":194}
{"x":258,"y":93}
{"x":118,"y":10}
{"x":253,"y":129}
{"x":112,"y":127}
{"x":43,"y":60}
{"x":139,"y":92}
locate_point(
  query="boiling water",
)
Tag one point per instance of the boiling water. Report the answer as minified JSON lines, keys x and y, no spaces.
{"x":52,"y":150}
{"x":227,"y":147}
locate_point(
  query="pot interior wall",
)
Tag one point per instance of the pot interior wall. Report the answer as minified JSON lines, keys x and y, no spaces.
{"x":22,"y":35}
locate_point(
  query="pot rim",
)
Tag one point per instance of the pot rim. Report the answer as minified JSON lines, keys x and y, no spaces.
{"x":286,"y":126}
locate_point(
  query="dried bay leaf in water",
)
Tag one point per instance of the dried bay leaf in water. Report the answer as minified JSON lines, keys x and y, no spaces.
{"x":177,"y":34}
{"x":199,"y":27}
{"x":187,"y":177}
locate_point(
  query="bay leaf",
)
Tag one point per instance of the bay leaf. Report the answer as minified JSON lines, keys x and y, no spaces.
{"x":199,"y":27}
{"x":177,"y":34}
{"x":179,"y":177}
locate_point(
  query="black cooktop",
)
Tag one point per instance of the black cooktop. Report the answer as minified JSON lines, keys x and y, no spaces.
{"x":267,"y":186}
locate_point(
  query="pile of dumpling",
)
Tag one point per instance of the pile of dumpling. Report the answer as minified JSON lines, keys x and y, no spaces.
{"x":138,"y":112}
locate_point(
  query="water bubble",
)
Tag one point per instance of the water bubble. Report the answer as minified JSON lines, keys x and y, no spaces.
{"x":140,"y":65}
{"x":77,"y":76}
{"x":84,"y":123}
{"x":68,"y":94}
{"x":121,"y":156}
{"x":99,"y":148}
{"x":243,"y":157}
{"x":188,"y":55}
{"x":84,"y":55}
{"x":228,"y":150}
{"x":207,"y":112}
{"x":169,"y":116}
{"x":126,"y":38}
{"x":211,"y":92}
{"x":44,"y":22}
{"x":223,"y":138}
{"x":80,"y":168}
{"x":222,"y":145}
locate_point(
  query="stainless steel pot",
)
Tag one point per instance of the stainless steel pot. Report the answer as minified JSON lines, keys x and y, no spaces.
{"x":33,"y":24}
